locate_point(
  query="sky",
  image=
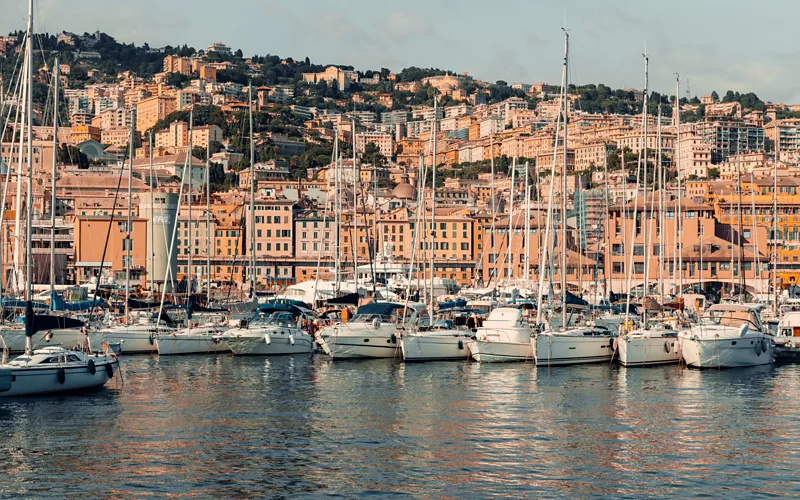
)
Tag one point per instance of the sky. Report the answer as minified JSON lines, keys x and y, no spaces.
{"x":717,"y":45}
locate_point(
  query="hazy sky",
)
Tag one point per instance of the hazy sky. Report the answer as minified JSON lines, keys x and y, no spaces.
{"x":719,"y":45}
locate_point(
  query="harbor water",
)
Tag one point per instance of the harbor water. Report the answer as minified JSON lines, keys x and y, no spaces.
{"x":205,"y":426}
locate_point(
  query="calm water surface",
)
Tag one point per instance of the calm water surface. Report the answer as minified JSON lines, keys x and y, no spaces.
{"x":291,"y":426}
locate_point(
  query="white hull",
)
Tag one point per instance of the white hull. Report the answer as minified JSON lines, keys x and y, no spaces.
{"x":37,"y":380}
{"x":136,"y":340}
{"x":726,"y":352}
{"x":195,"y":341}
{"x":558,"y":350}
{"x":361,"y":341}
{"x":422,"y":347}
{"x":254,"y":343}
{"x":69,"y":338}
{"x":646,"y":351}
{"x":484,"y":351}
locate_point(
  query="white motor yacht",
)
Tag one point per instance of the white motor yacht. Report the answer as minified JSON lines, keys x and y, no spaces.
{"x":787,"y":337}
{"x":727,"y":336}
{"x":55,"y":369}
{"x":572,"y":346}
{"x":442,"y":342}
{"x":373,"y":332}
{"x":504,"y":336}
{"x":271,"y":332}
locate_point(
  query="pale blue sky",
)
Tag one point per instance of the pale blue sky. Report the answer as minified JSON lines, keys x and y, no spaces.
{"x":717,"y":44}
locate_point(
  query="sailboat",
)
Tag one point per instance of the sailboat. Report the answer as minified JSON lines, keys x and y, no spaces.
{"x":442,"y":341}
{"x":52,"y":369}
{"x":566,"y":345}
{"x":651,"y":344}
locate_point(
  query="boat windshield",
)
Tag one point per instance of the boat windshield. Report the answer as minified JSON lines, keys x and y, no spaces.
{"x":283,"y":319}
{"x":733,"y":318}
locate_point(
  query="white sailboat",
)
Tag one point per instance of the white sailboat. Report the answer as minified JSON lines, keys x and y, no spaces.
{"x":566,"y":345}
{"x":505,"y":336}
{"x":52,"y":369}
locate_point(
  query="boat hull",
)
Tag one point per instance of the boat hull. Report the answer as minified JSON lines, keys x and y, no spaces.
{"x":133,"y":341}
{"x":484,"y":351}
{"x":15,"y":339}
{"x":44,"y":380}
{"x":435,"y":347}
{"x":557,"y":350}
{"x":726,"y":352}
{"x":255,"y":344}
{"x":647,"y":351}
{"x":177,"y":344}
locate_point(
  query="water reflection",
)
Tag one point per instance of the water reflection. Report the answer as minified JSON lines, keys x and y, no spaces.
{"x":243,"y":427}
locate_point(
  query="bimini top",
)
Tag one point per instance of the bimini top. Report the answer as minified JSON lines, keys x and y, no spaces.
{"x":388,"y":309}
{"x":503,"y":317}
{"x":731,"y":308}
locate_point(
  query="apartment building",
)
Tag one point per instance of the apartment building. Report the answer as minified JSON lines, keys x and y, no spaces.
{"x":152,"y":109}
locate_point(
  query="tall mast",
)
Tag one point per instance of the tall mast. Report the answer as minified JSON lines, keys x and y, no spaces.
{"x":208,"y":219}
{"x":337,"y":217}
{"x":53,"y":185}
{"x":660,"y":172}
{"x":356,"y":236}
{"x":190,"y":269}
{"x":775,"y":218}
{"x":645,"y":221}
{"x":511,"y":216}
{"x":494,"y":236}
{"x":527,"y":239}
{"x":152,"y":226}
{"x":678,"y":215}
{"x":433,"y":203}
{"x":128,"y":241}
{"x":252,"y":194}
{"x":739,"y":211}
{"x":18,"y":200}
{"x":564,"y":188}
{"x":608,"y":267}
{"x":29,"y":133}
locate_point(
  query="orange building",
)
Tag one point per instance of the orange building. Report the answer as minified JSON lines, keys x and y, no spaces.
{"x":90,"y":233}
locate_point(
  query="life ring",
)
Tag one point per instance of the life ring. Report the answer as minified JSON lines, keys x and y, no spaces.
{"x":666,"y":346}
{"x":92,"y":368}
{"x":62,"y":376}
{"x":109,"y":370}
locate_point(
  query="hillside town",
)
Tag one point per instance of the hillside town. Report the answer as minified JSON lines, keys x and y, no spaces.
{"x":188,"y":108}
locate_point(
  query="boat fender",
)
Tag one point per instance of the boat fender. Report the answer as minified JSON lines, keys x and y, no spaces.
{"x":764,"y":344}
{"x":394,"y":338}
{"x":48,"y":337}
{"x":615,"y":343}
{"x":152,"y":341}
{"x":267,"y":339}
{"x":62,"y":376}
{"x":460,"y":345}
{"x":291,"y":339}
{"x":666,"y":346}
{"x":216,"y":340}
{"x":758,"y":349}
{"x":109,"y":370}
{"x":376,"y":323}
{"x":92,"y":368}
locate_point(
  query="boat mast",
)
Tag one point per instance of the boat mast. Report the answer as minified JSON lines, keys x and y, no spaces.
{"x":29,"y":133}
{"x":433,"y":204}
{"x":337,"y":217}
{"x":565,"y":103}
{"x":678,"y":215}
{"x":252,"y":194}
{"x":128,"y":241}
{"x":607,"y":268}
{"x":18,"y":200}
{"x":739,"y":211}
{"x":494,"y":238}
{"x":356,"y":236}
{"x":189,"y":287}
{"x":527,"y":238}
{"x":208,"y":219}
{"x":775,"y":218}
{"x":53,"y":186}
{"x":511,"y":216}
{"x":660,"y":172}
{"x":152,"y":226}
{"x":645,"y":221}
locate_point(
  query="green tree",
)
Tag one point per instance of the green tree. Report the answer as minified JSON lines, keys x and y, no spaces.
{"x":372,"y":155}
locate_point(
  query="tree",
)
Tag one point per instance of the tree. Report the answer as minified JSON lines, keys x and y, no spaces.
{"x":714,"y":95}
{"x":372,"y":155}
{"x":713,"y":173}
{"x":70,"y":155}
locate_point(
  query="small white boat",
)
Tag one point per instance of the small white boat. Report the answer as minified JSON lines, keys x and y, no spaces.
{"x":198,"y":339}
{"x":573,"y":346}
{"x":443,"y":342}
{"x":653,"y":346}
{"x":787,"y":337}
{"x":54,"y":369}
{"x":274,"y":334}
{"x":728,"y":336}
{"x":138,"y":337}
{"x":505,"y":336}
{"x":373,"y":332}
